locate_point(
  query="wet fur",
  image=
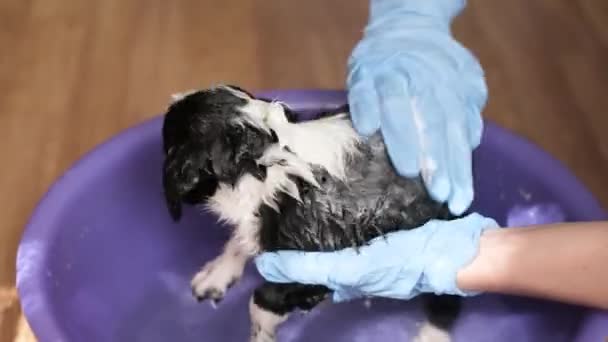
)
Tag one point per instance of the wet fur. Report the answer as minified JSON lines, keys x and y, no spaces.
{"x":245,"y":160}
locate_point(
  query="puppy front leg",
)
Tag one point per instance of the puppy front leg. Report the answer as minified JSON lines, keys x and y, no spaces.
{"x":214,"y":279}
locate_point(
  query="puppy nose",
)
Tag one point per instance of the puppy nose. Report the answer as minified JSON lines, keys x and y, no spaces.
{"x":188,"y":182}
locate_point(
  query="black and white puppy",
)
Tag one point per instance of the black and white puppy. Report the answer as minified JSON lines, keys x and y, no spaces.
{"x":312,"y":186}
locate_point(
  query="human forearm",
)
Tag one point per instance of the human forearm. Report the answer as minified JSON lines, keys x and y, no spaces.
{"x":564,"y":262}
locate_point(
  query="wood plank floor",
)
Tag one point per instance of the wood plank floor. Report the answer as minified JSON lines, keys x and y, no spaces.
{"x":73,"y":73}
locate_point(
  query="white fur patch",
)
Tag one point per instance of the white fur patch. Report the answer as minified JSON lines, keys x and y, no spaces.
{"x":179,"y":96}
{"x":237,"y":205}
{"x":327,"y":142}
{"x":263,"y":323}
{"x":281,"y":163}
{"x":431,"y":333}
{"x":256,"y":112}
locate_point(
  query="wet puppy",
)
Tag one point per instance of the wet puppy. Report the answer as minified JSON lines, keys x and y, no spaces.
{"x":312,"y":186}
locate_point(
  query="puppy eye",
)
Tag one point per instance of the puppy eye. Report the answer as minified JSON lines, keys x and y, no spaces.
{"x":274,"y":136}
{"x":208,"y":166}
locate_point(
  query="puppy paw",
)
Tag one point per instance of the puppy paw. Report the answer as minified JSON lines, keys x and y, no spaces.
{"x":215,"y":278}
{"x":431,"y":333}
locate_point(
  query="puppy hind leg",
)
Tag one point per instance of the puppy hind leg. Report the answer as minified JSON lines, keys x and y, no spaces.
{"x":264,"y":323}
{"x":441,"y":312}
{"x":272,"y":303}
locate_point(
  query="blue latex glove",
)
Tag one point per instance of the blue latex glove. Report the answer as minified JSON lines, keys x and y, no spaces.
{"x":409,"y":78}
{"x":401,"y":265}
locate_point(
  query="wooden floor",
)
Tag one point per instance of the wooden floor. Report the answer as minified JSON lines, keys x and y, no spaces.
{"x":73,"y":73}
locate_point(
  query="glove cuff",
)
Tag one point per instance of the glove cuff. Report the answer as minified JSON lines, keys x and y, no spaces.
{"x":439,"y":275}
{"x":438,"y":13}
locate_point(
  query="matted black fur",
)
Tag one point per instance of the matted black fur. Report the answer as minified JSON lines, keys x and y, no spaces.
{"x":203,"y":147}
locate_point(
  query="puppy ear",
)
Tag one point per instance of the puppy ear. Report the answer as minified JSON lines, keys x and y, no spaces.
{"x":237,"y":152}
{"x":172,"y":196}
{"x":187,"y":177}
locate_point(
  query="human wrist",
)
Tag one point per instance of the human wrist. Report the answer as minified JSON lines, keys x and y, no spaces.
{"x":489,"y":269}
{"x":450,"y":246}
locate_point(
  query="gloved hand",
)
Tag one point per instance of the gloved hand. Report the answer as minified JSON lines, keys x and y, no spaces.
{"x":409,"y":78}
{"x":400,"y":265}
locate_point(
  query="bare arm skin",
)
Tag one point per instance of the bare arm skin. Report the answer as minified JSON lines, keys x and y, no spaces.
{"x":565,"y":262}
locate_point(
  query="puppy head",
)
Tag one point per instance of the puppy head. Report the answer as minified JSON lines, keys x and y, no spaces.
{"x":210,"y":137}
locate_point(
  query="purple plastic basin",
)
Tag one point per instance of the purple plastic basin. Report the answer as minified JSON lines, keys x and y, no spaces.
{"x":101,"y":259}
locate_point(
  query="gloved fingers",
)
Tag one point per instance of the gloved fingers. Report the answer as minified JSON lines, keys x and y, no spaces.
{"x":452,"y":248}
{"x":373,"y":282}
{"x":397,"y":123}
{"x":293,"y":266}
{"x":459,"y":153}
{"x":487,"y":223}
{"x":460,"y":172}
{"x":433,"y":147}
{"x":363,"y":102}
{"x":391,"y":281}
{"x":341,"y":267}
{"x":344,"y":294}
{"x":476,"y":94}
{"x":475,"y":127}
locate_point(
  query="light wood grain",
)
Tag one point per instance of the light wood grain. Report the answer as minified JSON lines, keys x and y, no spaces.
{"x":73,"y":73}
